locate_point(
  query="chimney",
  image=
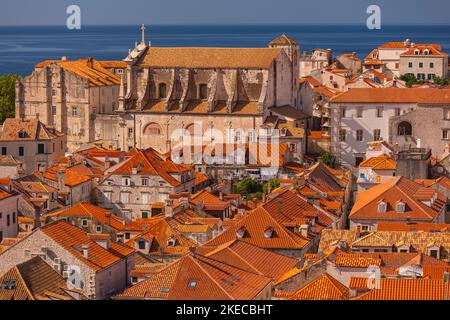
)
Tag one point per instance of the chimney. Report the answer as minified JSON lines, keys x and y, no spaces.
{"x":90,"y":62}
{"x":304,"y":230}
{"x":264,"y":197}
{"x":221,"y":196}
{"x":108,"y":218}
{"x":169,"y":146}
{"x":107,"y":163}
{"x":37,"y":215}
{"x":168,"y":209}
{"x":134,"y":170}
{"x":122,"y":157}
{"x":358,"y":232}
{"x":85,"y":248}
{"x":61,"y":175}
{"x":64,"y":58}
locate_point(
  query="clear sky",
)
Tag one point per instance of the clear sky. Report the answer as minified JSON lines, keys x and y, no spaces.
{"x":106,"y":12}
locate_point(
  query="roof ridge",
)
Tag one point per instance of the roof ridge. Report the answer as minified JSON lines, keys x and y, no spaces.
{"x":414,"y":200}
{"x":209,"y":276}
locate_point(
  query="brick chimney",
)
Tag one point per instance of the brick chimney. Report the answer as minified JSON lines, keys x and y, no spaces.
{"x":61,"y":176}
{"x":85,"y":248}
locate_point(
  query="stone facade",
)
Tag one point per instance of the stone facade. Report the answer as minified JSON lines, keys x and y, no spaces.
{"x":98,"y":284}
{"x":8,"y":215}
{"x":66,"y":99}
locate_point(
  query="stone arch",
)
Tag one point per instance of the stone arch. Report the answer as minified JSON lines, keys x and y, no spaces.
{"x":404,"y":128}
{"x":153,"y":129}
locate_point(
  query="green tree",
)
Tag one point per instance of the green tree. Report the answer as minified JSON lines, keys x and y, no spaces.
{"x":7,"y":96}
{"x":247,"y":186}
{"x":274,"y":183}
{"x":410,"y":80}
{"x":329,"y":159}
{"x":441,"y":81}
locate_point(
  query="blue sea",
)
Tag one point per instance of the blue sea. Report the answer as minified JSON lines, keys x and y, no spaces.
{"x":22,"y":47}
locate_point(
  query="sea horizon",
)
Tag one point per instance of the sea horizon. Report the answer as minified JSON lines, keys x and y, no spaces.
{"x":21,"y":47}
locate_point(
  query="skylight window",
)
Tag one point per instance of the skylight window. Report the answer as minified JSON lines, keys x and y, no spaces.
{"x":192,"y":284}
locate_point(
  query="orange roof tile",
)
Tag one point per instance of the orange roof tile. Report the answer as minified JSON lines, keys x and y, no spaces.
{"x":89,"y":69}
{"x":393,"y":191}
{"x":394,"y":95}
{"x":253,"y":227}
{"x":323,"y":288}
{"x":248,"y":58}
{"x":31,"y":129}
{"x":412,"y":226}
{"x":252,"y":258}
{"x":150,"y":162}
{"x":73,"y":239}
{"x":403,"y":289}
{"x":382,"y":162}
{"x":196,"y":277}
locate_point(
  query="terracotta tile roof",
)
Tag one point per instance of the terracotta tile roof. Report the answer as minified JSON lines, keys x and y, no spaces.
{"x":73,"y":239}
{"x":382,"y":162}
{"x":159,"y":232}
{"x":403,"y":289}
{"x":37,"y":187}
{"x":88,"y":68}
{"x":419,"y":241}
{"x":150,"y":162}
{"x":209,"y":201}
{"x":32,"y":129}
{"x":324,"y":178}
{"x":323,"y":288}
{"x":283,"y":40}
{"x":397,"y":190}
{"x":351,"y":260}
{"x":289,"y":112}
{"x":394,"y":95}
{"x":433,"y":50}
{"x":232,"y":58}
{"x":404,"y":44}
{"x":5,"y":195}
{"x":9,"y":160}
{"x":196,"y":277}
{"x":200,"y":178}
{"x":435,"y":271}
{"x":34,"y":280}
{"x":114,"y":64}
{"x":103,"y":216}
{"x":317,"y":135}
{"x":74,"y":175}
{"x":412,"y":226}
{"x":251,"y":258}
{"x":288,"y":207}
{"x":253,"y":227}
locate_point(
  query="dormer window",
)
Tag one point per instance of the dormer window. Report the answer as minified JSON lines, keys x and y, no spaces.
{"x":426,"y":52}
{"x":268,"y":233}
{"x":382,"y":207}
{"x":22,"y":134}
{"x":417,"y":52}
{"x":240,"y":233}
{"x":171,"y":242}
{"x":400,"y":207}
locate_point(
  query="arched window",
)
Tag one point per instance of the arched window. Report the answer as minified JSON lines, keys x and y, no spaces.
{"x":153,"y":129}
{"x":203,"y":91}
{"x":162,"y":90}
{"x":194,"y":129}
{"x":404,"y":129}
